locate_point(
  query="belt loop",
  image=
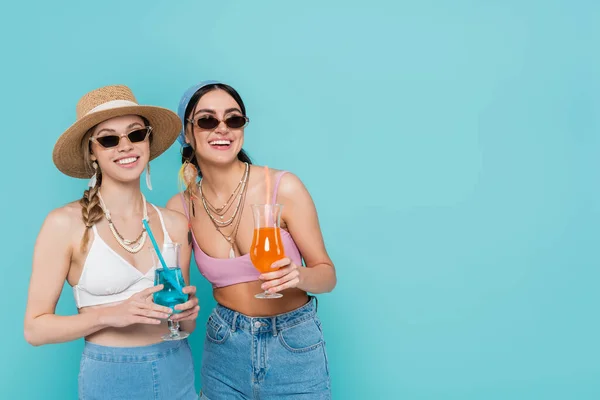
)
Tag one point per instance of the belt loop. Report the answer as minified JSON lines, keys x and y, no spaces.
{"x":274,"y":325}
{"x":234,"y":321}
{"x":316,"y":303}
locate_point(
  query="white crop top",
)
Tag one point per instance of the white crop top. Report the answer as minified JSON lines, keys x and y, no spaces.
{"x":107,"y":277}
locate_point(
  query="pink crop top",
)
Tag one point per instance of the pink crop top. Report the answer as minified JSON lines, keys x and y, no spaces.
{"x":223,"y":272}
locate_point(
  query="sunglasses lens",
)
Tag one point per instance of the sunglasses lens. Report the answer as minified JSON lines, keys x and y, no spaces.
{"x":108,"y":141}
{"x":236,"y":121}
{"x":207,"y":122}
{"x":138,"y":135}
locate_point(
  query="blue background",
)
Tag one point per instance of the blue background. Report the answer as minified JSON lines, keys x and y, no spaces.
{"x":451,"y":148}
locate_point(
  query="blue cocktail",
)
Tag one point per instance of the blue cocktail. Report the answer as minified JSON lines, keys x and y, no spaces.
{"x":171,"y":294}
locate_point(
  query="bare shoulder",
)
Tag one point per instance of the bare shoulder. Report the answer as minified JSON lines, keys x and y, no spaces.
{"x":65,"y":218}
{"x":290,"y":186}
{"x":175,"y":203}
{"x":173,"y":219}
{"x":62,"y":225}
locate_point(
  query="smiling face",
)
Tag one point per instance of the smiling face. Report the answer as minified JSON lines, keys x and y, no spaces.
{"x":125,"y":161}
{"x":222,"y":143}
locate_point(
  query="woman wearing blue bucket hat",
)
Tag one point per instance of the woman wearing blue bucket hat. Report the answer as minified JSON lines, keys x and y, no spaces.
{"x":264,"y":338}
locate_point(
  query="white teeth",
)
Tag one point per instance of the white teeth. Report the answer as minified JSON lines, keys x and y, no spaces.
{"x":127,"y":160}
{"x":220,"y":142}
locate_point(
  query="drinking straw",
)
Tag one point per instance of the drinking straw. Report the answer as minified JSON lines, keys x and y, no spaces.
{"x":167,"y":272}
{"x":267,"y":185}
{"x":268,"y":195}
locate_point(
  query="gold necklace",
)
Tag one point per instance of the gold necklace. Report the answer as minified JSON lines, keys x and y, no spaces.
{"x":220,"y":212}
{"x":223,"y":209}
{"x":233,"y":220}
{"x":132,"y":246}
{"x":231,"y":237}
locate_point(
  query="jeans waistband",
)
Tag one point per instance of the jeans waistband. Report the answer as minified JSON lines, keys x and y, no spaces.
{"x":274,"y":324}
{"x":132,"y":354}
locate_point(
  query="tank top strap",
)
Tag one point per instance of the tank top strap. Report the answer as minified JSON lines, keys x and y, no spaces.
{"x":277,"y":181}
{"x":185,"y":207}
{"x":162,"y":224}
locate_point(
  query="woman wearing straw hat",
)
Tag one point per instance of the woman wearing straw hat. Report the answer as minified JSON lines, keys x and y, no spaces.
{"x":258,"y":345}
{"x":98,"y":244}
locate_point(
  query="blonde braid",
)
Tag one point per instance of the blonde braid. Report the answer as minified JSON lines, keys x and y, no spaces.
{"x":91,"y":212}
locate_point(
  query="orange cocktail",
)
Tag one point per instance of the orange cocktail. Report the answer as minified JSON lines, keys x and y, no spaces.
{"x":266,"y":245}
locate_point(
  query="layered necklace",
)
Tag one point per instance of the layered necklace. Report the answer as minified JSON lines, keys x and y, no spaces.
{"x":217,"y":214}
{"x":132,"y":246}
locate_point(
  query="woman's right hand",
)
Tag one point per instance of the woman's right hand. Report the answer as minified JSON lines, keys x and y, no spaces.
{"x":138,"y":309}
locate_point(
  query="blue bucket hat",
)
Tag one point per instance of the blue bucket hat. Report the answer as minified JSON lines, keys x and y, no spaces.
{"x":185,"y":100}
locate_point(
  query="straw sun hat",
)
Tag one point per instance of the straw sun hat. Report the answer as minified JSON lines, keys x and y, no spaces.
{"x":100,"y":105}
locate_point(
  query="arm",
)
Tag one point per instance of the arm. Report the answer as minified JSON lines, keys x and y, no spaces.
{"x":301,"y":218}
{"x":51,"y":263}
{"x":177,"y":225}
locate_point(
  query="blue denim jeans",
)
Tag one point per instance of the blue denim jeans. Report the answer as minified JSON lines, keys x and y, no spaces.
{"x":280,"y":357}
{"x":162,"y":371}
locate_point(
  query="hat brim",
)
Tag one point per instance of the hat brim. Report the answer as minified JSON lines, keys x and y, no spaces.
{"x":68,"y":150}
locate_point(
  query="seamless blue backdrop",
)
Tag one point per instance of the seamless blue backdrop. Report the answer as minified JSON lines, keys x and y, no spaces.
{"x":451,"y":148}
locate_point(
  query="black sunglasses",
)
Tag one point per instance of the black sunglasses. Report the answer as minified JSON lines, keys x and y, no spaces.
{"x":209,"y":122}
{"x":137,"y":136}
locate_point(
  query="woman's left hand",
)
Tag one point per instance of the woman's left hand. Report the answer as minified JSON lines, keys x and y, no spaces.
{"x":287,"y":276}
{"x":189,"y":309}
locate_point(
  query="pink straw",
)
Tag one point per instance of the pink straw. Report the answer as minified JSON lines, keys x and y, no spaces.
{"x":268,"y":195}
{"x":267,"y":185}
